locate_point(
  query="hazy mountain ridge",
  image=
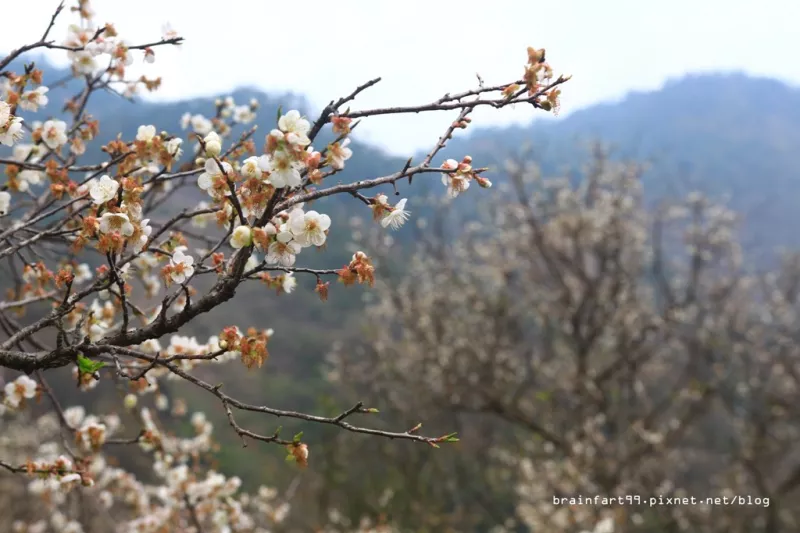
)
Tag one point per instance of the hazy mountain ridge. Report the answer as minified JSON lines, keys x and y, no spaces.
{"x":716,"y":133}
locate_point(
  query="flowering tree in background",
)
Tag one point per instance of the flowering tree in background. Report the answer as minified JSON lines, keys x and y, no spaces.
{"x":121,"y":320}
{"x":618,"y":350}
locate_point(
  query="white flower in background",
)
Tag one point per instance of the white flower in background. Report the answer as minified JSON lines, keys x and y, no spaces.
{"x":213,"y":144}
{"x":309,"y":228}
{"x":97,"y":332}
{"x":26,"y":153}
{"x":146,"y":134}
{"x":284,"y":171}
{"x":74,"y":416}
{"x":130,"y":401}
{"x":111,"y":222}
{"x":146,"y":230}
{"x":200,"y":124}
{"x":242,"y":237}
{"x":21,"y":388}
{"x":92,"y":434}
{"x":338,"y":153}
{"x":243,"y":114}
{"x":162,"y":402}
{"x":149,"y":56}
{"x":54,"y":134}
{"x":396,"y":217}
{"x":605,"y":525}
{"x":201,"y":221}
{"x":167,"y":32}
{"x":289,"y":282}
{"x":295,"y":127}
{"x":5,"y":203}
{"x":83,"y":273}
{"x":182,"y":268}
{"x":103,"y":190}
{"x":32,"y":177}
{"x":5,"y":112}
{"x":31,"y":100}
{"x":84,"y":62}
{"x":174,"y":147}
{"x":70,"y":480}
{"x":251,"y":168}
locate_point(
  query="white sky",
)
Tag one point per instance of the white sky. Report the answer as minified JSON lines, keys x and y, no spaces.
{"x":425,"y":48}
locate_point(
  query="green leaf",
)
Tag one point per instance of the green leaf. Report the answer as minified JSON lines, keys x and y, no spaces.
{"x":297,"y":437}
{"x":280,"y":113}
{"x":290,"y":458}
{"x":451,"y":438}
{"x":372,"y":410}
{"x":87,"y":366}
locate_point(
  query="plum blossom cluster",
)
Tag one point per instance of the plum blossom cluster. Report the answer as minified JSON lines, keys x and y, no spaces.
{"x":181,"y":498}
{"x":107,"y":274}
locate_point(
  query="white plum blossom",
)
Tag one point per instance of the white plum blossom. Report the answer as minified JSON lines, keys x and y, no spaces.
{"x":146,"y":134}
{"x":252,"y":262}
{"x":32,"y":177}
{"x":5,"y":112}
{"x":295,"y":127}
{"x":251,"y":168}
{"x":338,"y":153}
{"x":5,"y":203}
{"x":309,"y":228}
{"x":213,"y":144}
{"x":146,"y":230}
{"x":182,"y":266}
{"x":111,"y":222}
{"x":243,"y":114}
{"x":174,"y":147}
{"x":134,"y":210}
{"x":54,"y":134}
{"x":283,"y":251}
{"x":212,"y":170}
{"x":10,"y":126}
{"x":26,"y":153}
{"x":74,"y":415}
{"x":31,"y":100}
{"x":289,"y":282}
{"x":83,"y":273}
{"x":91,"y":434}
{"x":396,"y":217}
{"x":168,"y":33}
{"x":85,"y":62}
{"x":21,"y":388}
{"x":456,"y":183}
{"x":242,"y":237}
{"x":284,"y":170}
{"x":201,"y":220}
{"x":200,"y":124}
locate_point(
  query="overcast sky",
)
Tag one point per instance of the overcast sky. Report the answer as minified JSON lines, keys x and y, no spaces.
{"x":425,"y":48}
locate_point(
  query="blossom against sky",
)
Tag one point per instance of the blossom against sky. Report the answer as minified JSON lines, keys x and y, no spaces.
{"x":423,"y":49}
